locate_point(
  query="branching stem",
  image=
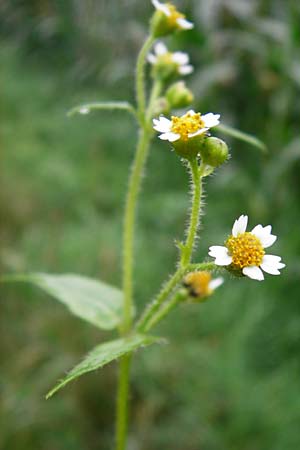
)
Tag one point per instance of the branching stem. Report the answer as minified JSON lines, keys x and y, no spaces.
{"x":186,"y":252}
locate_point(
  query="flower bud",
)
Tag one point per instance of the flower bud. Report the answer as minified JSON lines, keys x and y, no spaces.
{"x":214,"y":152}
{"x":179,"y":96}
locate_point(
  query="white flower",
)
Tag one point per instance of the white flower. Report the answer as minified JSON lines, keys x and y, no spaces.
{"x":173,"y":15}
{"x":245,"y":250}
{"x":187,"y":126}
{"x":181,"y":59}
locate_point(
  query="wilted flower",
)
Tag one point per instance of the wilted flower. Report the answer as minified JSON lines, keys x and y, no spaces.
{"x":201,"y":285}
{"x":244,"y":251}
{"x":185,"y":127}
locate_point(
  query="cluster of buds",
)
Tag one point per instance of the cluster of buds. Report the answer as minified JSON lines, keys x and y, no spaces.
{"x":189,"y":133}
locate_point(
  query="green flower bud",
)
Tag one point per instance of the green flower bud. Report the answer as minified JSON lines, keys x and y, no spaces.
{"x":179,"y":96}
{"x":214,"y":151}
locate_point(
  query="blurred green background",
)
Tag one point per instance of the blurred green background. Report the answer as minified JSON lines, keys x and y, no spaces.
{"x":229,"y":378}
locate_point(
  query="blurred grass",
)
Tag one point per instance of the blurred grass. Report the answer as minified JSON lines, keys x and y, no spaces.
{"x":230,"y":375}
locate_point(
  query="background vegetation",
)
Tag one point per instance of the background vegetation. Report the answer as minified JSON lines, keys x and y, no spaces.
{"x":229,"y":378}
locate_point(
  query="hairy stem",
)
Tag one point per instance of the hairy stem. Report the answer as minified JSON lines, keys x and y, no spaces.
{"x":186,"y":251}
{"x":156,"y":303}
{"x":195,"y":214}
{"x":128,"y":236}
{"x":122,"y":402}
{"x":129,"y":219}
{"x":165,"y":310}
{"x":140,"y":78}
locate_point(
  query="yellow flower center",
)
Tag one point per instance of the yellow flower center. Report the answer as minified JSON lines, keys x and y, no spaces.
{"x":198,"y":283}
{"x":174,"y":15}
{"x":187,"y":124}
{"x":166,"y":58}
{"x":245,"y":249}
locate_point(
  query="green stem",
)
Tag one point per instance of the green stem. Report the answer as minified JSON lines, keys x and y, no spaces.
{"x":195,"y":213}
{"x":155,"y":92}
{"x":122,"y":402}
{"x":209,"y":266}
{"x":186,"y":254}
{"x":140,"y":78}
{"x":128,"y":237}
{"x":156,"y":303}
{"x":129,"y":219}
{"x":166,"y":309}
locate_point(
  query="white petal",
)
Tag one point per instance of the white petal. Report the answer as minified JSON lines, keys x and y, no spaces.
{"x":180,"y":58}
{"x":161,"y":7}
{"x":201,"y":131}
{"x":214,"y":284}
{"x":271,"y":264}
{"x":264,"y":235}
{"x":270,"y":269}
{"x":271,"y":259}
{"x":186,"y":70}
{"x":171,"y":137}
{"x":191,"y":112}
{"x":253,"y":272}
{"x":268,"y":241}
{"x":223,"y":260}
{"x":163,"y":124}
{"x":151,"y":58}
{"x":185,"y":24}
{"x":217,"y":250}
{"x":240,"y":225}
{"x":160,"y":49}
{"x":211,"y":120}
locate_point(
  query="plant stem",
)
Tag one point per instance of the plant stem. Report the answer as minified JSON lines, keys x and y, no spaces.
{"x":122,"y":402}
{"x":156,"y":303}
{"x":140,"y":78}
{"x":195,"y":214}
{"x":155,"y":92}
{"x":128,"y":236}
{"x":129,"y":219}
{"x":165,"y":309}
{"x":186,"y":254}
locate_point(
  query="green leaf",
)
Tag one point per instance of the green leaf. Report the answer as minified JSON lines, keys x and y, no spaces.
{"x":104,"y":354}
{"x":237,"y":134}
{"x":86,"y":108}
{"x":91,"y":300}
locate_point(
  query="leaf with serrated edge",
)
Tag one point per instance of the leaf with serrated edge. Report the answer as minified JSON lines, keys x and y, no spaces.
{"x":91,"y":300}
{"x":104,"y":354}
